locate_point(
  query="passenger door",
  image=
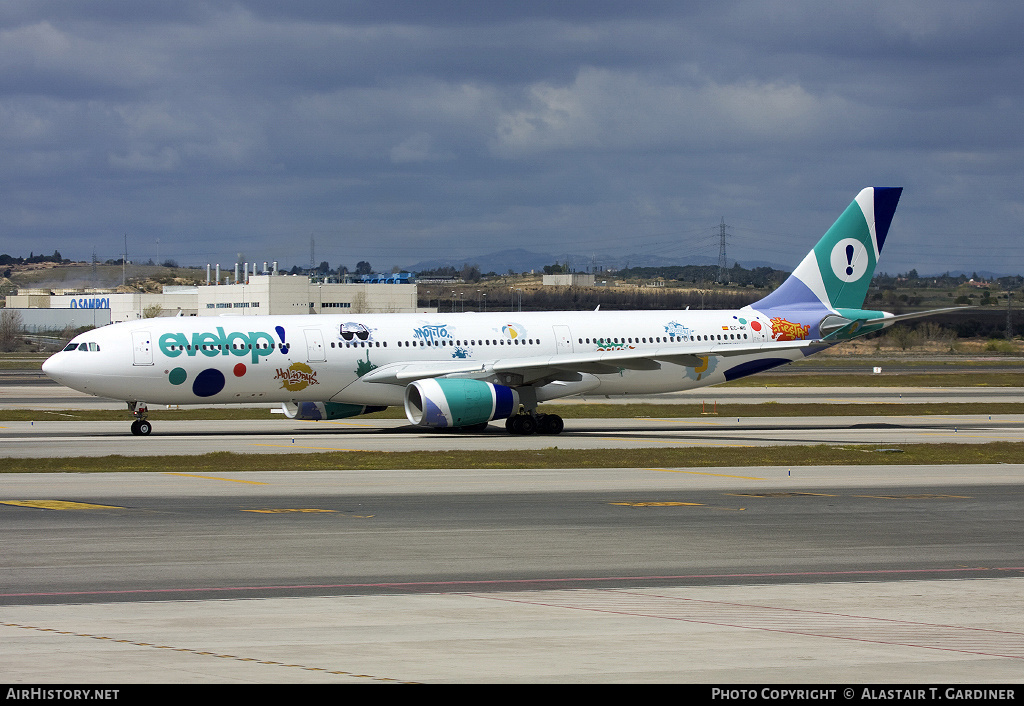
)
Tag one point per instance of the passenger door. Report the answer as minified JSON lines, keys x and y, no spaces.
{"x":563,"y":339}
{"x":142,"y":348}
{"x":315,"y":351}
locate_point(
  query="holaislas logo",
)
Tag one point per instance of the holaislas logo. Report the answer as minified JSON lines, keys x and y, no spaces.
{"x":256,"y":344}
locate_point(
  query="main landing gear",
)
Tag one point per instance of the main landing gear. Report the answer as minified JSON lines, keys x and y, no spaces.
{"x":141,"y":426}
{"x":526,"y":423}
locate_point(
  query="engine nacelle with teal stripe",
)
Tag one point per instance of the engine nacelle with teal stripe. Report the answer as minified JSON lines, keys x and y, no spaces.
{"x":442,"y":402}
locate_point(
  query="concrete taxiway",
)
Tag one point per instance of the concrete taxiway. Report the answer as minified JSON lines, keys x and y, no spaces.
{"x":735,"y":575}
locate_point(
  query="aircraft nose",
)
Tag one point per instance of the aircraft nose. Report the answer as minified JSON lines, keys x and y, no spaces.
{"x":55,"y":367}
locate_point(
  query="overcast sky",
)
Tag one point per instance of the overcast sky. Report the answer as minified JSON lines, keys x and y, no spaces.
{"x":396,"y":132}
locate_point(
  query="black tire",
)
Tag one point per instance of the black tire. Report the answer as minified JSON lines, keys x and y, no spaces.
{"x":550,"y":424}
{"x":135,"y":428}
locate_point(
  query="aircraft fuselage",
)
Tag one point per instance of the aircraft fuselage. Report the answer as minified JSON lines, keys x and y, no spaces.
{"x":244,"y":359}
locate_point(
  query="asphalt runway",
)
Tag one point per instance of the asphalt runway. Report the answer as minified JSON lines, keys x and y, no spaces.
{"x":846,"y":574}
{"x":54,"y":398}
{"x":129,"y":535}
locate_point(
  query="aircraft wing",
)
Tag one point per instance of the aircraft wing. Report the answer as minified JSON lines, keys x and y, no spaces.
{"x":549,"y":367}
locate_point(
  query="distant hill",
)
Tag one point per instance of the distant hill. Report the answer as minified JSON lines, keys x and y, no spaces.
{"x":519,"y":260}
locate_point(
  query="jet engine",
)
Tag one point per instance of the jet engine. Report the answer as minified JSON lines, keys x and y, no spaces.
{"x":325,"y":410}
{"x":445,"y":402}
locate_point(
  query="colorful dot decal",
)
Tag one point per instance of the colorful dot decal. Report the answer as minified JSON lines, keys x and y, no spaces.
{"x":208,"y":383}
{"x":239,"y":370}
{"x":177,"y":376}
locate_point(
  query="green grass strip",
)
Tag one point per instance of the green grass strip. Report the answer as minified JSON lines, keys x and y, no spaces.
{"x":222,"y":463}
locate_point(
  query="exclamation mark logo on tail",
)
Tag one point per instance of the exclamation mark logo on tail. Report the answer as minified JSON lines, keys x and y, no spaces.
{"x":280,"y":334}
{"x":849,"y":260}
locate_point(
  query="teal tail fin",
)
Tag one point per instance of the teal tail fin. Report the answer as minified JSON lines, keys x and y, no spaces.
{"x":837,"y":272}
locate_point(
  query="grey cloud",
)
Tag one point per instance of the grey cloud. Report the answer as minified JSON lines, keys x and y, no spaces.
{"x":412,"y":128}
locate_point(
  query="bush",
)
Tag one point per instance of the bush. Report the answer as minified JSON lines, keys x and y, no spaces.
{"x":996,"y":345}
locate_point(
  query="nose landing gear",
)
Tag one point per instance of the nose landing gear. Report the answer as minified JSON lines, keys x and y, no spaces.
{"x":141,"y":426}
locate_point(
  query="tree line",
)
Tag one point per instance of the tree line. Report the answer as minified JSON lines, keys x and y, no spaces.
{"x":6,"y":259}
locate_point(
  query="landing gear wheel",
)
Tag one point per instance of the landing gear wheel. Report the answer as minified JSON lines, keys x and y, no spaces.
{"x":522,"y":424}
{"x":141,"y":427}
{"x":550,"y":424}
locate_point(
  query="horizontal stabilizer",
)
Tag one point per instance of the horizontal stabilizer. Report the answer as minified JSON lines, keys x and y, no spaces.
{"x":893,"y":318}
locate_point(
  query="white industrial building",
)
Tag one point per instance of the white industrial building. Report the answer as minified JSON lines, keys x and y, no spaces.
{"x":574,"y":279}
{"x":266,"y":294}
{"x":261,"y":294}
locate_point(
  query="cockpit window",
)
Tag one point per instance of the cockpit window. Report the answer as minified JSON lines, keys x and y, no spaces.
{"x":71,"y":346}
{"x":94,"y":346}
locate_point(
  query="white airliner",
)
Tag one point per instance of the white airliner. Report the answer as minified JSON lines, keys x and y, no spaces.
{"x":465,"y":370}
